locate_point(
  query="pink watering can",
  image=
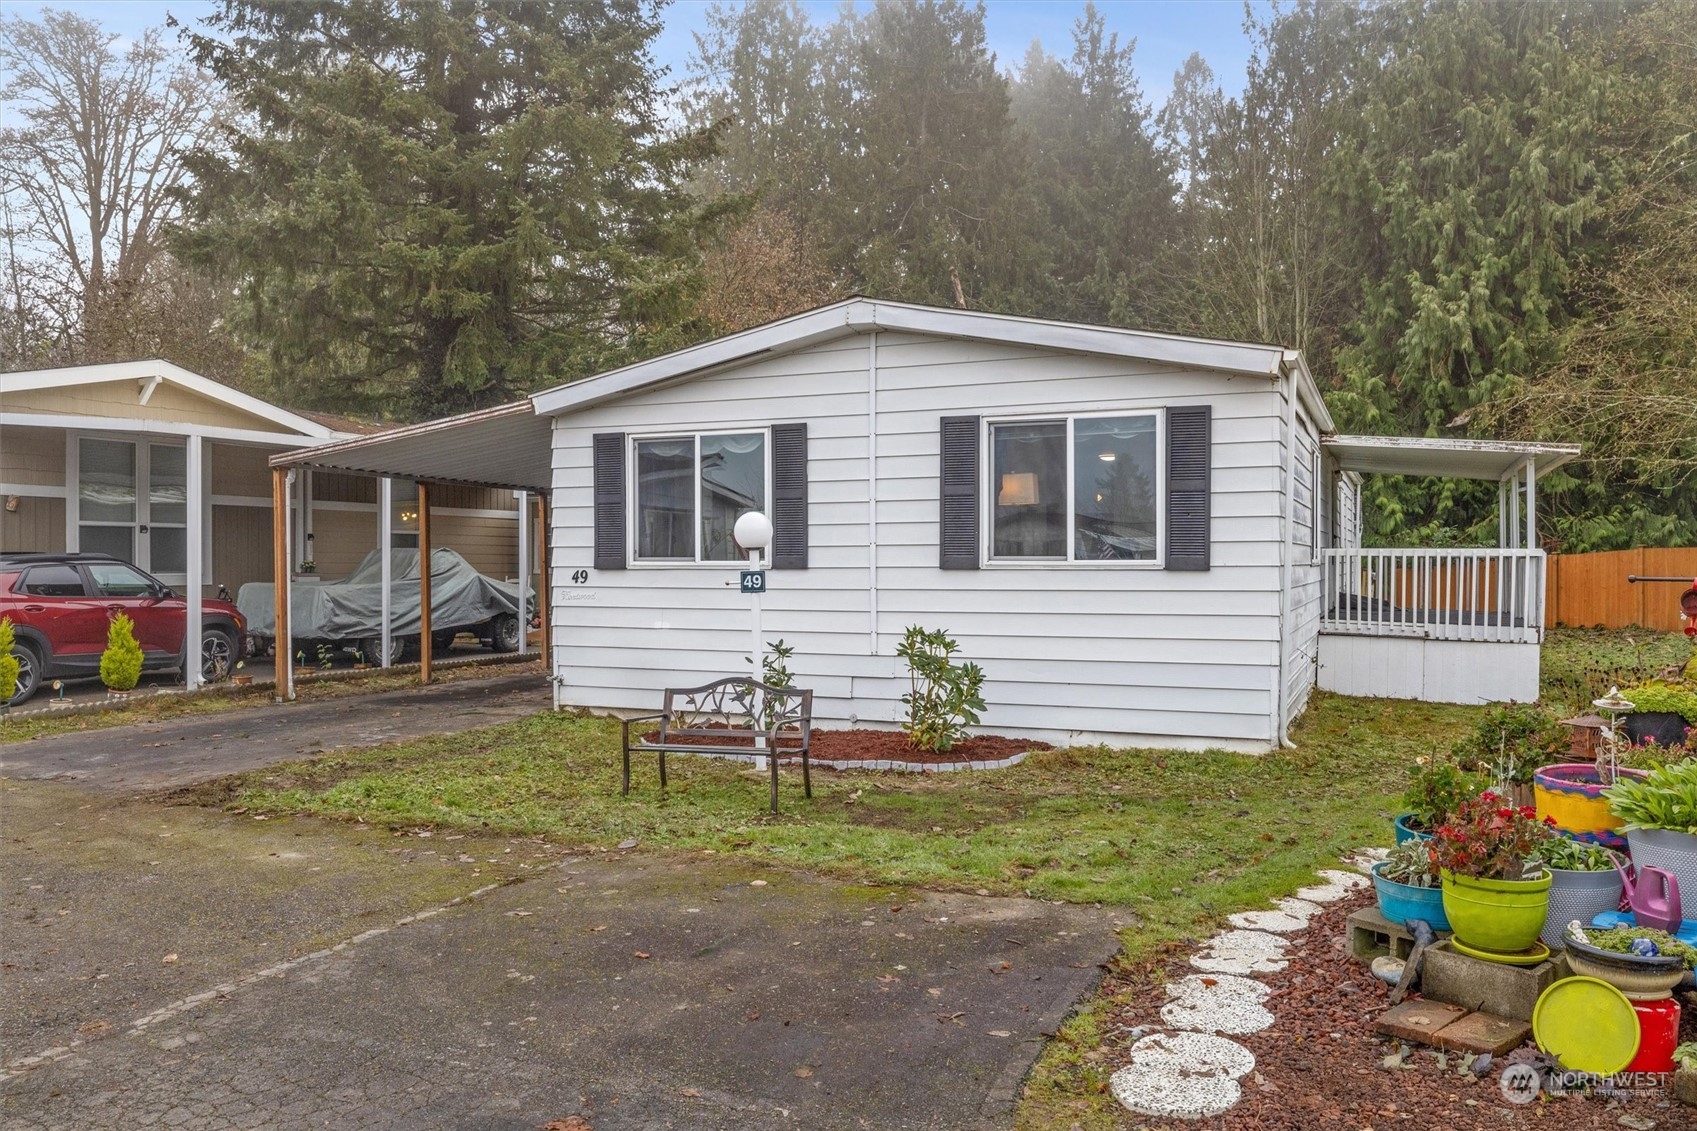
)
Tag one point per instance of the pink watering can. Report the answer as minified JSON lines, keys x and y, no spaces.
{"x":1653,"y":897}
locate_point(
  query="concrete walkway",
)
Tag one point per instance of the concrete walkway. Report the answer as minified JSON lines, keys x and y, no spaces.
{"x":183,"y":751}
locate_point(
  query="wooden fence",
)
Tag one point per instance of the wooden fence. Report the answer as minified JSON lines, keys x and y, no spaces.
{"x":1591,"y":590}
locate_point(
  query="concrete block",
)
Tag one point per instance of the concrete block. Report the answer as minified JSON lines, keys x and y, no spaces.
{"x":1476,"y":984}
{"x":1685,"y":1086}
{"x":1483,"y":1032}
{"x":1371,"y":935}
{"x":1417,"y":1020}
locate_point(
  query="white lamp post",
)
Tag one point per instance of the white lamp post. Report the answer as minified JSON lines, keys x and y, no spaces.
{"x":753,"y":533}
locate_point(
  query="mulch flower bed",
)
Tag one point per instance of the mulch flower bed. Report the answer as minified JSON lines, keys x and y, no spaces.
{"x":893,"y":746}
{"x":1321,"y":1067}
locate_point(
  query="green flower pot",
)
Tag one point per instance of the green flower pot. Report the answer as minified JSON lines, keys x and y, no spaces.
{"x":1499,"y":915}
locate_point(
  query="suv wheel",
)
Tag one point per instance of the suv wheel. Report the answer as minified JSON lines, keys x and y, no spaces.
{"x":217,"y":655}
{"x":30,"y":671}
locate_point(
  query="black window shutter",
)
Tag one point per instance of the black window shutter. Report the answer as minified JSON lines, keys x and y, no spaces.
{"x":609,"y":500}
{"x":1189,"y":444}
{"x":789,"y":496}
{"x":957,"y":539}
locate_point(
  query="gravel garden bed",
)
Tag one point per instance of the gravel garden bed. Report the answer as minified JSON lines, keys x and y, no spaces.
{"x":1320,"y":1067}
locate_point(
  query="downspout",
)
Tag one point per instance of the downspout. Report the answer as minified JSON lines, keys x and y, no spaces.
{"x":872,"y":492}
{"x":1281,"y":701}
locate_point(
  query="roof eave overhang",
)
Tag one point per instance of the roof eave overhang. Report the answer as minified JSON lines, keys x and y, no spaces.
{"x":862,"y":316}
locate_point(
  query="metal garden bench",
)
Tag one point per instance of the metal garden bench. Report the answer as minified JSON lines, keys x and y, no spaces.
{"x":738,"y":718}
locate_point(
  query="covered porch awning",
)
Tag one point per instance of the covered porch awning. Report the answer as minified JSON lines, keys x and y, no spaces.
{"x":1451,"y":459}
{"x":1514,"y":464}
{"x":506,"y":447}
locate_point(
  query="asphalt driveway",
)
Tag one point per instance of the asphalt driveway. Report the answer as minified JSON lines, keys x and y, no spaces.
{"x":183,"y":751}
{"x":176,"y":966}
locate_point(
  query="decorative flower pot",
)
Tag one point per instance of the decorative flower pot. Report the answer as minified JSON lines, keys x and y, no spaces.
{"x":1641,"y":979}
{"x":1504,"y":916}
{"x":1672,"y":852}
{"x":1570,"y":794}
{"x":1665,"y":728}
{"x":1578,"y":895}
{"x":1405,"y":832}
{"x":1402,"y":902}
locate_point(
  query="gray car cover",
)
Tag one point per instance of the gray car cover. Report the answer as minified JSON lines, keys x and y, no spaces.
{"x":352,"y":609}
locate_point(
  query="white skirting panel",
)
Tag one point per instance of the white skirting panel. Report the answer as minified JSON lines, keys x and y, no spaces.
{"x":1435,"y":671}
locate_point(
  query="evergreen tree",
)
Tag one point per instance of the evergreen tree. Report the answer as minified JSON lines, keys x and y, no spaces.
{"x":433,"y":205}
{"x":1105,"y":190}
{"x":1472,"y":178}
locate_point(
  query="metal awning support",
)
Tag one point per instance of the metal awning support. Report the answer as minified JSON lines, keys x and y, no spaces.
{"x":385,"y":541}
{"x":195,"y":476}
{"x":282,"y":588}
{"x":424,"y":645}
{"x":523,"y":499}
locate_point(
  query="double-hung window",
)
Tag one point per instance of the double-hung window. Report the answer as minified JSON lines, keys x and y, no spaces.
{"x":690,"y":490}
{"x":1077,"y":489}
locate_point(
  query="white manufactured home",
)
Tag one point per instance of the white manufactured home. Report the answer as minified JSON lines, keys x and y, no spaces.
{"x":1141,"y":538}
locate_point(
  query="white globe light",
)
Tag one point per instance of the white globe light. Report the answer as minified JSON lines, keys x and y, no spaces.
{"x":753,"y":531}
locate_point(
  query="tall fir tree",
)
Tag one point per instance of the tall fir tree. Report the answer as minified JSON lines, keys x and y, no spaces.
{"x":1105,"y":190}
{"x":433,"y":205}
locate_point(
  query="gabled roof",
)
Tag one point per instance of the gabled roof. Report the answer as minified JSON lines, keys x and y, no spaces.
{"x":863,"y":315}
{"x":156,"y":370}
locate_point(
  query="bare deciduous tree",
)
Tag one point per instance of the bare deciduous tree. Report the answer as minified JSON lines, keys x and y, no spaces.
{"x":89,"y":160}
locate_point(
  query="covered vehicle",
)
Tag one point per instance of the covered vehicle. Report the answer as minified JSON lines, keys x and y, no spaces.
{"x":349,"y":613}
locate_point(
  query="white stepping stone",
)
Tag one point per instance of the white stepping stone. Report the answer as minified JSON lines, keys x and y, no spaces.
{"x":1217,"y":1004}
{"x":1220,"y":985}
{"x":1297,"y":908}
{"x":1363,"y":859}
{"x":1242,"y":952}
{"x":1278,"y":922}
{"x":1193,"y":1054}
{"x":1338,"y":884}
{"x":1169,"y":1095}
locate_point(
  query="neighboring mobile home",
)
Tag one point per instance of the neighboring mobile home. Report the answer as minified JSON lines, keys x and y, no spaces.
{"x":148,"y":462}
{"x":1142,"y":538}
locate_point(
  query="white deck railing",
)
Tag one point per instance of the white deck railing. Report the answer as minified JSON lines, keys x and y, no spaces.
{"x":1489,"y":595}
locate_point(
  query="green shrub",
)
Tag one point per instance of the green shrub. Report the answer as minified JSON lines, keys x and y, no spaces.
{"x":1512,"y":741}
{"x":944,"y":698}
{"x":1572,"y":856}
{"x":1437,"y":787}
{"x":120,"y":664}
{"x":1671,"y":698}
{"x":9,"y":666}
{"x":1665,"y":799}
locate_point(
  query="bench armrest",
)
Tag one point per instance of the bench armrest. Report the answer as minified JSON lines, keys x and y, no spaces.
{"x":624,"y":724}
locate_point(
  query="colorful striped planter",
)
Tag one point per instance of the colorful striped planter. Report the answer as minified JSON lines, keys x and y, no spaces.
{"x":1570,"y":794}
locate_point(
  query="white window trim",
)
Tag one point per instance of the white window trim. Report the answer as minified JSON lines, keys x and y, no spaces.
{"x":987,"y":492}
{"x":143,"y":443}
{"x":633,"y":516}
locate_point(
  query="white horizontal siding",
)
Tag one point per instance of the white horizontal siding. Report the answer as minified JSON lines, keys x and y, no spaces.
{"x":1070,"y":653}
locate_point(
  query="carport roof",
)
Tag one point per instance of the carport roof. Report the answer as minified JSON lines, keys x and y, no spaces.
{"x":505,"y":446}
{"x":1450,"y":459}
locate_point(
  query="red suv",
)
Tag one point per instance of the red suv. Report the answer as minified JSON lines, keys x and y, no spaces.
{"x":61,"y":605}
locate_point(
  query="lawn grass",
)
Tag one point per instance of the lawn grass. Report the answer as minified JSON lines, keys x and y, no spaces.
{"x":1581,"y":664}
{"x":1178,"y":839}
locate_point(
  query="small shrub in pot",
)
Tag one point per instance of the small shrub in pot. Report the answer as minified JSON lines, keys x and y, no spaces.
{"x":1437,"y":786}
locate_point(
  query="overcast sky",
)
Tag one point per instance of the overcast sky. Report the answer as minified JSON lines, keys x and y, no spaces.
{"x":1167,"y":31}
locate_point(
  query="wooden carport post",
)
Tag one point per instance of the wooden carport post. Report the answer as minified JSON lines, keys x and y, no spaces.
{"x":424,"y":648}
{"x":285,"y":674}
